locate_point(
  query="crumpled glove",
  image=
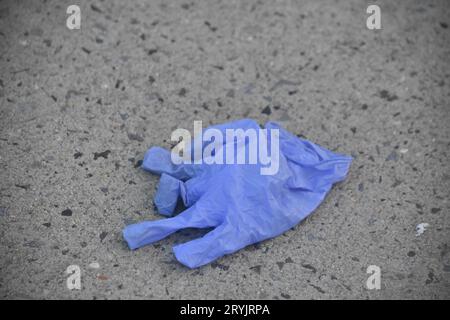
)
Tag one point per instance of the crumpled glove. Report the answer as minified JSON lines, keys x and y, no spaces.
{"x":242,"y":205}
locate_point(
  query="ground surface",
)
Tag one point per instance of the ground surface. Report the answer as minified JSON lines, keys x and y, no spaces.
{"x":79,"y":109}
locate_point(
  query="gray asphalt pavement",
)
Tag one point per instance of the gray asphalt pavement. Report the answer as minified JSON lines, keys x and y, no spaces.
{"x":79,"y":108}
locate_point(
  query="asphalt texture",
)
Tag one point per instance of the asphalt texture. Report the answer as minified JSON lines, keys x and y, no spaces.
{"x":79,"y":108}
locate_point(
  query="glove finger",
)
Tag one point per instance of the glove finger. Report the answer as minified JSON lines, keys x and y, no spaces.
{"x":169,"y":190}
{"x":220,"y":241}
{"x":158,"y":160}
{"x":193,"y":189}
{"x":143,"y":233}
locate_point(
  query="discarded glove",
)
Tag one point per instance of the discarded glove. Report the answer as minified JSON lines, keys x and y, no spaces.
{"x":242,"y":205}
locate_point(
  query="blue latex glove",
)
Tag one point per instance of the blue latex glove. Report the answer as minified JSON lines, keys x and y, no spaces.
{"x":243,"y":206}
